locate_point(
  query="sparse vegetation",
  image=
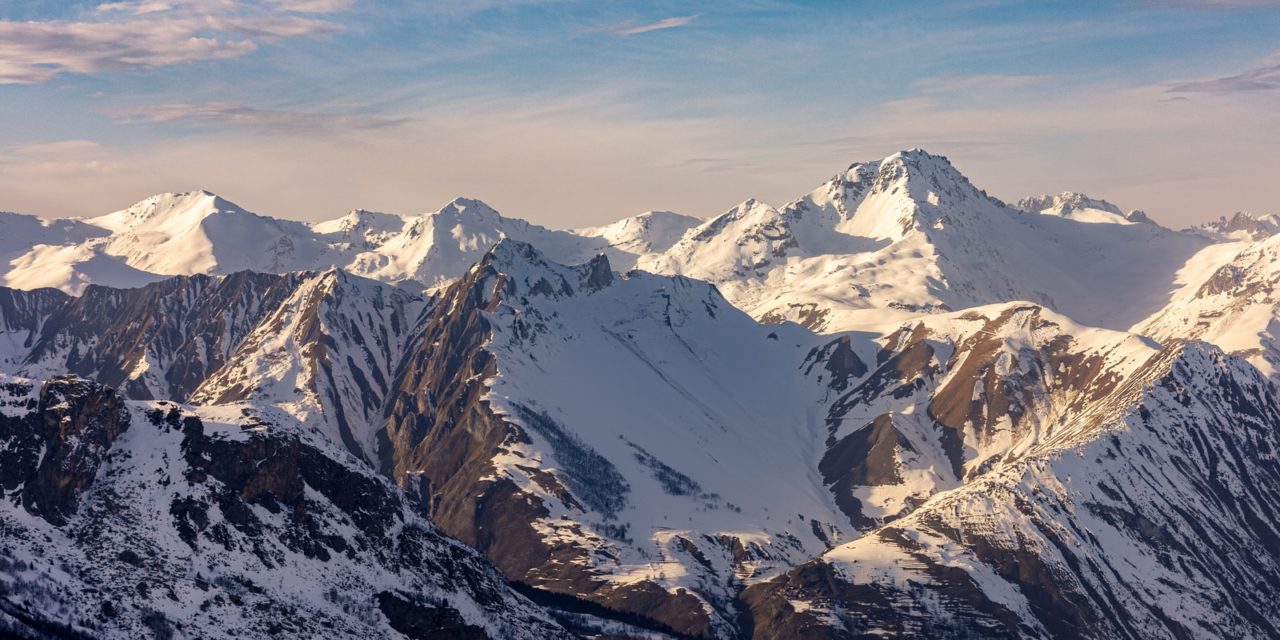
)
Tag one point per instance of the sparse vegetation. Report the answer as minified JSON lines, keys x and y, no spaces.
{"x":589,"y":475}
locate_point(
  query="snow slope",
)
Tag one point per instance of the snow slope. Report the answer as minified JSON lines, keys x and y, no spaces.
{"x":37,"y":253}
{"x":1233,"y":305}
{"x":199,"y":232}
{"x":1081,"y":208}
{"x":649,"y":232}
{"x":908,"y":235}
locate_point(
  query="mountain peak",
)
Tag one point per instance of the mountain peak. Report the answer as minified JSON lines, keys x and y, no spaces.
{"x":916,"y":154}
{"x":1245,"y":224}
{"x":751,"y":206}
{"x":373,"y":225}
{"x":910,"y":189}
{"x":513,"y":252}
{"x":529,"y":272}
{"x":469,"y":207}
{"x":921,"y":176}
{"x":918,"y":160}
{"x":648,"y":232}
{"x":168,"y":208}
{"x":1066,"y":203}
{"x":198,"y":196}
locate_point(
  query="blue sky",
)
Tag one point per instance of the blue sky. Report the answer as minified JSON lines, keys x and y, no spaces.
{"x":573,"y":113}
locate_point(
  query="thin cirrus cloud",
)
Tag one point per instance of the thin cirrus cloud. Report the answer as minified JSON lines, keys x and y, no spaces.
{"x":312,"y":6}
{"x":1266,"y":78}
{"x":134,"y":8}
{"x":975,"y":82}
{"x":1220,"y":4}
{"x":626,"y":29}
{"x":57,"y":159}
{"x":229,"y":114}
{"x":150,"y":34}
{"x":144,"y":7}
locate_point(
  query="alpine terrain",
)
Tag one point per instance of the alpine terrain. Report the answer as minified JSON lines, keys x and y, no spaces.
{"x":895,"y":406}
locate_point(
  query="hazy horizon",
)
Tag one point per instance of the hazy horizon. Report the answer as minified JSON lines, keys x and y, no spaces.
{"x":313,"y":217}
{"x":572,"y":114}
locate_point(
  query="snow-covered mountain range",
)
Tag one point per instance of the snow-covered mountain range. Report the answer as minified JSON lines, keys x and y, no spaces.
{"x":199,"y":233}
{"x":894,"y":407}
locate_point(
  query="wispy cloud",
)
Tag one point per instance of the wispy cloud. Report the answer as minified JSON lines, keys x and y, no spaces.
{"x":630,"y":28}
{"x":975,"y":82}
{"x":1265,"y":78}
{"x":152,"y":33}
{"x":134,"y":8}
{"x":230,"y":114}
{"x":312,"y":6}
{"x":1216,"y":4}
{"x":715,"y":165}
{"x":59,"y":160}
{"x":872,"y":145}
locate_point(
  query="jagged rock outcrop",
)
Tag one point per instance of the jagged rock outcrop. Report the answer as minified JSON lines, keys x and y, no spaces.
{"x":54,"y":443}
{"x":79,"y":422}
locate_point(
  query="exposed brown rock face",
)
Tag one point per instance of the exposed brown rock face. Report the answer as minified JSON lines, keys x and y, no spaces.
{"x":1008,"y":378}
{"x":440,"y":434}
{"x":878,"y":611}
{"x":808,"y":315}
{"x":1075,"y":534}
{"x":866,"y":457}
{"x":441,"y":437}
{"x":1020,"y":386}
